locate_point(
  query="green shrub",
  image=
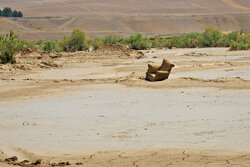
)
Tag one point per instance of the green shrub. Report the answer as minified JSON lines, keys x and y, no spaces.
{"x":156,"y":42}
{"x":185,"y":41}
{"x":161,"y":42}
{"x":166,"y":43}
{"x":96,"y":43}
{"x":192,"y":43}
{"x":65,"y":43}
{"x":241,"y":42}
{"x":111,"y":39}
{"x":51,"y":46}
{"x":28,"y":44}
{"x":212,"y":37}
{"x":223,"y":41}
{"x":8,"y":47}
{"x":239,"y":45}
{"x":138,"y":42}
{"x":233,"y":36}
{"x":75,"y":42}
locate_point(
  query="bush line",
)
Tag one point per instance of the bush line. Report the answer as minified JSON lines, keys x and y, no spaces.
{"x":77,"y":41}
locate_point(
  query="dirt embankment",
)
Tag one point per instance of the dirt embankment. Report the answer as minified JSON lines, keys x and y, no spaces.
{"x":116,"y":51}
{"x":29,"y":59}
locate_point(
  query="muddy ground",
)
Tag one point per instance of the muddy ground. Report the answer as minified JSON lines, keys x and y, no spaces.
{"x":97,"y":109}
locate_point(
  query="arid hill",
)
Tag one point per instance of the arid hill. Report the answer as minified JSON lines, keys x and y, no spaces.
{"x":51,"y":19}
{"x":61,"y":8}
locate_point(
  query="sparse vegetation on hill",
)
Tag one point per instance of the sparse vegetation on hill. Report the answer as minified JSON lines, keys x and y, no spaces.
{"x":7,"y":12}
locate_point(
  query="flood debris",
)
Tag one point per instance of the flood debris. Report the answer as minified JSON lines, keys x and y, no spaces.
{"x":159,"y":72}
{"x":11,"y":159}
{"x":60,"y":164}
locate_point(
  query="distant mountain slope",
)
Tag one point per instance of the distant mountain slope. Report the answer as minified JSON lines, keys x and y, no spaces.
{"x":51,"y":19}
{"x":146,"y":7}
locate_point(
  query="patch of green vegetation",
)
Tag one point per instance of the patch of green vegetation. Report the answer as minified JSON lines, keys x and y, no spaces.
{"x":96,"y":43}
{"x":9,"y":46}
{"x":111,"y":39}
{"x":211,"y":37}
{"x":29,"y":44}
{"x":51,"y":46}
{"x":239,"y":40}
{"x":76,"y":41}
{"x":138,"y":42}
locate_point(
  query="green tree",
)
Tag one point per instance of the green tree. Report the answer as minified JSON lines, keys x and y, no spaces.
{"x":19,"y":14}
{"x":77,"y":40}
{"x":7,"y":12}
{"x":15,"y":13}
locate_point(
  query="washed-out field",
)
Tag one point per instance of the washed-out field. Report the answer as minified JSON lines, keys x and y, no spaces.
{"x":97,"y":109}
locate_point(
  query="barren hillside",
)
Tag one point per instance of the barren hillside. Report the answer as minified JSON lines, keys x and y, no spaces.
{"x":130,"y":7}
{"x":101,"y":17}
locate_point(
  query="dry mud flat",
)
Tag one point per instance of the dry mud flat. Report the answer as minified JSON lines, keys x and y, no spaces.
{"x":96,"y":109}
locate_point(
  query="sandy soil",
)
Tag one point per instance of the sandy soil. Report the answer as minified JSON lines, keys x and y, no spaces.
{"x":96,"y":109}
